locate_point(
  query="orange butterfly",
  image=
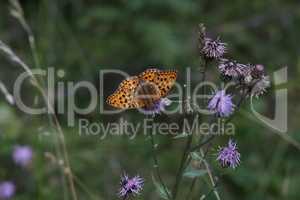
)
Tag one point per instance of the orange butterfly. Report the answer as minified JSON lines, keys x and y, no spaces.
{"x":144,"y":90}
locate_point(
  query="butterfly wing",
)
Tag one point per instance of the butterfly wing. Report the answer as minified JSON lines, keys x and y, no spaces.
{"x":164,"y":80}
{"x":123,"y":97}
{"x":132,"y":92}
{"x":149,"y":75}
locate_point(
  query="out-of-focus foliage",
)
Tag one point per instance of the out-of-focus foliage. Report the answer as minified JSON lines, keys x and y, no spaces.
{"x":85,"y":36}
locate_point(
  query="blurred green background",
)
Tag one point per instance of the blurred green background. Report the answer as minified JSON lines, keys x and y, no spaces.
{"x":85,"y":36}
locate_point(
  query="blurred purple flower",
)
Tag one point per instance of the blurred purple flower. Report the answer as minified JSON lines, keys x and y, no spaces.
{"x":7,"y":189}
{"x":22,"y":155}
{"x":213,"y":48}
{"x":221,"y":104}
{"x":229,"y":156}
{"x":158,"y":107}
{"x":232,"y":68}
{"x":130,"y":186}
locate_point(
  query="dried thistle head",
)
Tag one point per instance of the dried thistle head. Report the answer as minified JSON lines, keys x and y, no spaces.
{"x":210,"y":48}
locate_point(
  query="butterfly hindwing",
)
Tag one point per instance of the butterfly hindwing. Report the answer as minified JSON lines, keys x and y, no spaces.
{"x":123,"y":97}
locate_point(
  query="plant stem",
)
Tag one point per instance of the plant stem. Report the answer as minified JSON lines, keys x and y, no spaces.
{"x":188,"y":142}
{"x":211,"y":178}
{"x":189,"y":195}
{"x":181,"y":167}
{"x":202,"y":143}
{"x":68,"y":172}
{"x":156,"y":165}
{"x":17,"y":12}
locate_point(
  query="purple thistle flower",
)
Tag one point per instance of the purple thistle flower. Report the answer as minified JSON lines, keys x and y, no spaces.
{"x":158,"y":107}
{"x":213,"y":48}
{"x":7,"y":189}
{"x":232,"y":69}
{"x":221,"y":104}
{"x":22,"y":155}
{"x":229,"y":156}
{"x":130,"y":186}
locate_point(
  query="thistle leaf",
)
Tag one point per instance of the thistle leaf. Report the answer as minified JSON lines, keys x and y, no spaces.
{"x":160,"y":189}
{"x":182,"y":135}
{"x":194,"y":173}
{"x":196,"y":156}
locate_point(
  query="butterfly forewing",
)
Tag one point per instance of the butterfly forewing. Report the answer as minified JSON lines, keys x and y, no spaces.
{"x":149,"y":75}
{"x":164,"y":80}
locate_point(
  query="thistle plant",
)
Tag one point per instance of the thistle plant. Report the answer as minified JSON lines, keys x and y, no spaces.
{"x":153,"y":85}
{"x":248,"y":80}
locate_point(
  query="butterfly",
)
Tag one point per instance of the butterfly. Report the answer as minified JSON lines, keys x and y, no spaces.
{"x":144,"y":90}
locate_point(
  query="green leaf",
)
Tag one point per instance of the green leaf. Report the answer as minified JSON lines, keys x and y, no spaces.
{"x":182,"y":135}
{"x":160,"y":189}
{"x":194,"y":173}
{"x":196,"y":156}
